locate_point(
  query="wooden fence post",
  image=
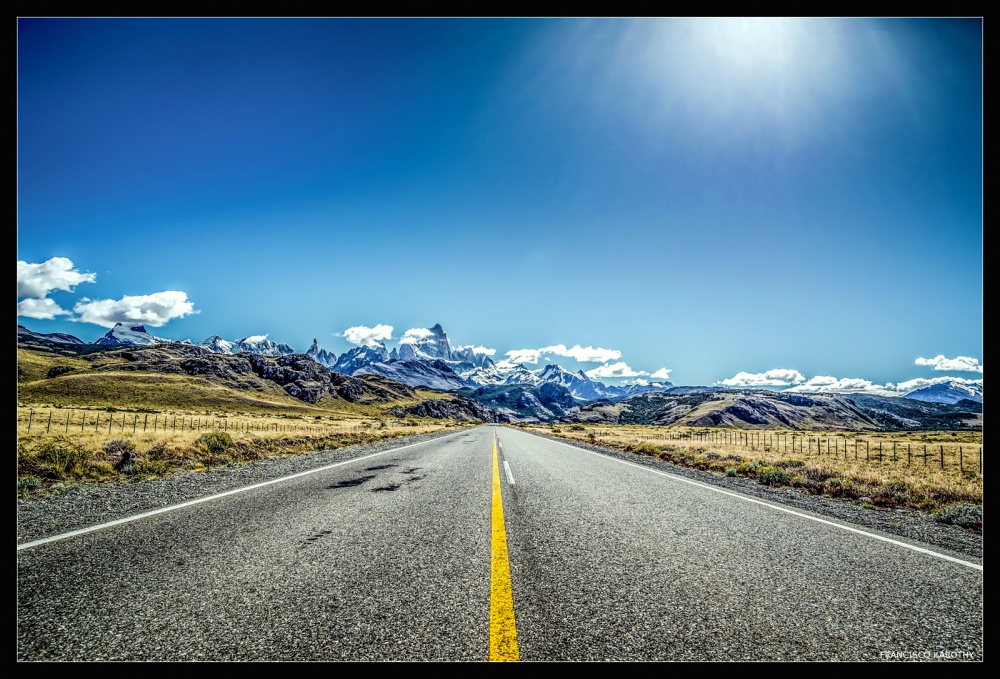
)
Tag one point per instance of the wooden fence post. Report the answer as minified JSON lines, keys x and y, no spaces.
{"x":49,"y":425}
{"x":67,"y":420}
{"x":941,"y":450}
{"x":31,"y":415}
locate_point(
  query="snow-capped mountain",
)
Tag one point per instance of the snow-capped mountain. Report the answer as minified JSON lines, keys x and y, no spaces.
{"x":254,"y":344}
{"x":217,"y":345}
{"x":949,"y":392}
{"x":359,"y":357}
{"x":31,"y":337}
{"x":261,"y":345}
{"x":470,"y":356}
{"x":321,"y":355}
{"x":428,"y":348}
{"x":131,"y":335}
{"x":417,"y":373}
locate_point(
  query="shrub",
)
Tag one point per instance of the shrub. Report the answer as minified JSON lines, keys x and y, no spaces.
{"x":150,"y":468}
{"x":838,"y":487}
{"x":157,"y":451}
{"x":58,"y":370}
{"x":731,"y":471}
{"x":576,"y":427}
{"x":118,"y":447}
{"x":591,"y":437}
{"x":786,"y":464}
{"x":964,"y":514}
{"x":772,"y":476}
{"x":26,"y":484}
{"x":62,"y":456}
{"x":214,"y":441}
{"x":647,"y":449}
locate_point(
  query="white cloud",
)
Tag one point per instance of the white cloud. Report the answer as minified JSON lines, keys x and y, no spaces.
{"x":523,"y":356}
{"x":362,"y":335}
{"x":960,"y":363}
{"x":662,"y":374}
{"x":619,"y":369}
{"x":418,"y":333}
{"x":777,"y":377}
{"x":921,"y":382}
{"x":153,"y":310}
{"x":506,"y":364}
{"x":58,"y":273}
{"x":843,"y":385}
{"x":583,"y":354}
{"x":43,"y":308}
{"x":477,"y":349}
{"x":254,"y":339}
{"x":639,"y":381}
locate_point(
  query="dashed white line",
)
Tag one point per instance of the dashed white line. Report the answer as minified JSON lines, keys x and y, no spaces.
{"x":510,"y":476}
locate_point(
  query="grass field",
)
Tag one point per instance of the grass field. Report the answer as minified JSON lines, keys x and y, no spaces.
{"x":931,"y":471}
{"x":95,"y":419}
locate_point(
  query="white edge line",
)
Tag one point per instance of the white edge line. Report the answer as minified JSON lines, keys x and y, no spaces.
{"x":510,"y":475}
{"x":162,"y":510}
{"x":907,"y":545}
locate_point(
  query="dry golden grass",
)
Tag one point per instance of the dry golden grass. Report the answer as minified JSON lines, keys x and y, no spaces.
{"x":886,"y":469}
{"x":72,"y":445}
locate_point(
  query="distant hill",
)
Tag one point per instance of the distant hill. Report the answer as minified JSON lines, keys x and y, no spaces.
{"x":760,"y":408}
{"x":949,"y":392}
{"x":187,"y":376}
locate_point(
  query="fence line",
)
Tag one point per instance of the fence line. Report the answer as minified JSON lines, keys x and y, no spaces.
{"x":171,"y":423}
{"x":953,"y":455}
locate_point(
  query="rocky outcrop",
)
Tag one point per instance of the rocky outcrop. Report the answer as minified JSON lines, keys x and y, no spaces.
{"x":458,"y":408}
{"x":300,"y":376}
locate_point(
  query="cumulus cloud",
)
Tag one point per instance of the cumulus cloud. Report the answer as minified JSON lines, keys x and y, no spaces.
{"x":255,"y":339}
{"x":843,"y":385}
{"x":154,"y":310}
{"x":576,"y":352}
{"x":58,"y":273}
{"x":583,"y":354}
{"x":960,"y":363}
{"x":921,"y":382}
{"x":619,"y":369}
{"x":662,"y":374}
{"x":777,"y":377}
{"x":506,"y":364}
{"x":523,"y":356}
{"x":43,"y":308}
{"x":362,"y":335}
{"x":414,"y":335}
{"x":477,"y":349}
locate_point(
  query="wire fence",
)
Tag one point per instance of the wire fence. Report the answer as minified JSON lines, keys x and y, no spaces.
{"x":956,"y":456}
{"x":67,"y":422}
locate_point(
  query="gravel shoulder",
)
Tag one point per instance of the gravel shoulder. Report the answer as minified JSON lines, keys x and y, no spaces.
{"x":81,"y":506}
{"x":906,"y":524}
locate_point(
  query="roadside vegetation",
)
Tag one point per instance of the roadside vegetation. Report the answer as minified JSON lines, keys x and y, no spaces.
{"x":106,"y":452}
{"x":884,"y":470}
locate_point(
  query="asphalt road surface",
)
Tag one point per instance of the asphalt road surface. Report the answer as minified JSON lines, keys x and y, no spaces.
{"x":459,"y":549}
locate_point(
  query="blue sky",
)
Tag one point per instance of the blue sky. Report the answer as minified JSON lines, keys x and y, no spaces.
{"x":790,"y":199}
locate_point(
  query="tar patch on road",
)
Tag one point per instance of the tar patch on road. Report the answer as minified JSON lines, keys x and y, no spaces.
{"x":350,"y":483}
{"x":313,"y":538}
{"x":381,"y":466}
{"x":390,"y":487}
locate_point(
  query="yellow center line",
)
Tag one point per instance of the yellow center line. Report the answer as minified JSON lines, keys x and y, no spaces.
{"x":503,"y":631}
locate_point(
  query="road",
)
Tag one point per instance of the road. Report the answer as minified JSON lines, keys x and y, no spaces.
{"x":458,"y":549}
